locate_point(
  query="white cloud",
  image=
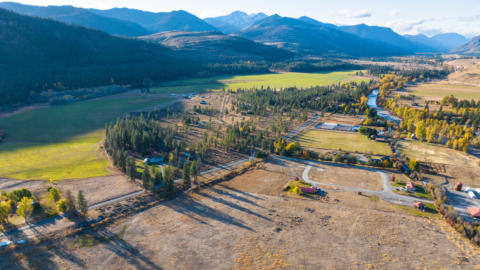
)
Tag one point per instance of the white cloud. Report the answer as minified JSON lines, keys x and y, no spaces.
{"x":394,"y":13}
{"x":363,"y":13}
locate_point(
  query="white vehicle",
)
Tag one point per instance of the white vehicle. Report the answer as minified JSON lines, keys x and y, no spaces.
{"x":472,"y":195}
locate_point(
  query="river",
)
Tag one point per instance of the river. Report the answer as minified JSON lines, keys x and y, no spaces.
{"x":372,"y":103}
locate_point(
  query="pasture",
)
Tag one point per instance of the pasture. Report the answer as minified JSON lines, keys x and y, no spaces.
{"x":437,"y":91}
{"x":352,"y":142}
{"x":435,"y":153}
{"x":62,"y":142}
{"x":274,"y":80}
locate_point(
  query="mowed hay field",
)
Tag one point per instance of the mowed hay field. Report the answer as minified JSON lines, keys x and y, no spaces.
{"x":439,"y":90}
{"x":62,"y":142}
{"x":427,"y":152}
{"x":275,"y":80}
{"x":352,"y":142}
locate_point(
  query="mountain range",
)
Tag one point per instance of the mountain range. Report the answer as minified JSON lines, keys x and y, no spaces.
{"x":441,"y":42}
{"x":471,"y":48}
{"x":304,"y":36}
{"x":117,"y":21}
{"x":235,"y":22}
{"x":314,"y":39}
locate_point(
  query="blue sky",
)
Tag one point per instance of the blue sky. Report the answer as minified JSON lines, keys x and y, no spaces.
{"x":404,"y":16}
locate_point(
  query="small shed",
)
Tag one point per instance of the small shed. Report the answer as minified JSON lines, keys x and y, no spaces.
{"x":458,"y":186}
{"x":474,"y":211}
{"x":410,"y":186}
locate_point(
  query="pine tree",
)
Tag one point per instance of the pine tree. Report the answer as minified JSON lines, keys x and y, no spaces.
{"x":71,"y":205}
{"x":147,"y":179}
{"x":186,"y":174}
{"x":131,"y":168}
{"x":194,"y":170}
{"x":82,"y":202}
{"x":168,"y":182}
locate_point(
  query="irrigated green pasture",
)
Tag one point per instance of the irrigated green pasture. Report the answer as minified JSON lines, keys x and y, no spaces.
{"x":62,"y":142}
{"x":275,"y":80}
{"x":438,"y":91}
{"x":352,"y":142}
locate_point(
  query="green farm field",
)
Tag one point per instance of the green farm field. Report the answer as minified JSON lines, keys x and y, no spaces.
{"x":352,"y":142}
{"x":62,"y":142}
{"x":275,"y":80}
{"x":438,"y":91}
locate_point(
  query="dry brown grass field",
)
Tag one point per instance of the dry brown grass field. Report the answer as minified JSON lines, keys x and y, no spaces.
{"x":236,"y":225}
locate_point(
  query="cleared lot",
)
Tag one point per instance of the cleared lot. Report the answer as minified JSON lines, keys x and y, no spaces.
{"x":346,"y":177}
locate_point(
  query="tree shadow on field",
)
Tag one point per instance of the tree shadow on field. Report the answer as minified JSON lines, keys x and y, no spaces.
{"x":200,"y":212}
{"x":234,"y":194}
{"x":125,"y":250}
{"x":241,"y":192}
{"x":232,"y":205}
{"x":37,"y":256}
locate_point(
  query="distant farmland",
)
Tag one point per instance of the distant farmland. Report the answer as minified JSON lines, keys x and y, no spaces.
{"x":276,"y":80}
{"x":62,"y":142}
{"x":439,"y":90}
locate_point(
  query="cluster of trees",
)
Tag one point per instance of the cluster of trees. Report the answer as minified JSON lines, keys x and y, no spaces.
{"x":152,"y":177}
{"x":437,"y":127}
{"x":341,"y":98}
{"x":414,"y":75}
{"x":19,"y":201}
{"x":293,"y":149}
{"x":140,"y":135}
{"x":463,"y":111}
{"x":205,"y":110}
{"x":323,"y":65}
{"x":244,"y":137}
{"x":22,"y":203}
{"x":467,"y":229}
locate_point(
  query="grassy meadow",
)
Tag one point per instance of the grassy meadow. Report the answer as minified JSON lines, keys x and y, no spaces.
{"x":275,"y":80}
{"x":438,"y":91}
{"x":436,"y":153}
{"x":352,"y":142}
{"x":62,"y":142}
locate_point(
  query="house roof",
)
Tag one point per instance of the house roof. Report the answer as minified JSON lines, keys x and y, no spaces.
{"x":410,"y":185}
{"x":308,"y":189}
{"x":418,"y":204}
{"x":474,"y":211}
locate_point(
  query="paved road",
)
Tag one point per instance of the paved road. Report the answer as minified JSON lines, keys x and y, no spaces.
{"x":298,"y":130}
{"x":386,"y":194}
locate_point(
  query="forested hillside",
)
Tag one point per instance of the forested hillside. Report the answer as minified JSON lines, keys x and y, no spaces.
{"x":214,"y":45}
{"x":39,"y":55}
